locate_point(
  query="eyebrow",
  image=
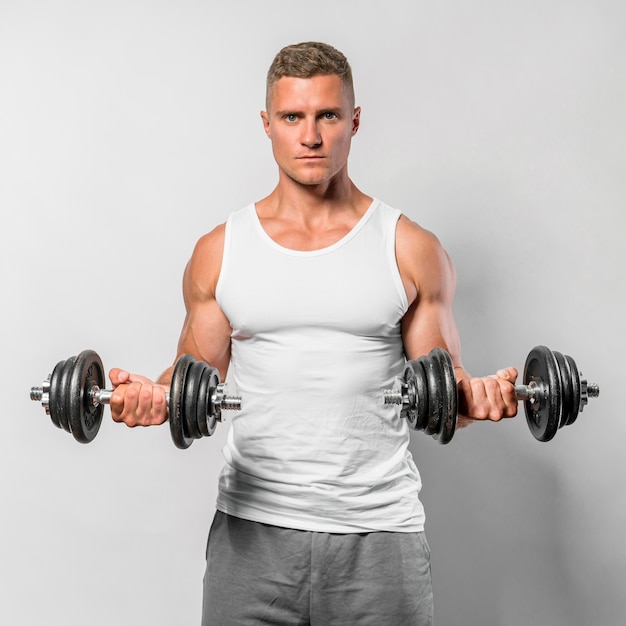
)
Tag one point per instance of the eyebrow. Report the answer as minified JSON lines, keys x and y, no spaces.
{"x":336,"y":110}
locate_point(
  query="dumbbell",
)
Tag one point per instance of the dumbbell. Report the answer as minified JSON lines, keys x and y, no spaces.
{"x":74,"y":398}
{"x":554,"y":392}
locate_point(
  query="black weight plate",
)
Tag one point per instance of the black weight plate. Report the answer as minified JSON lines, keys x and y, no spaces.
{"x":85,"y":417}
{"x":208,"y":419}
{"x":202,"y":397}
{"x":415,"y":379}
{"x":567,"y":391}
{"x":204,"y":400}
{"x":421,"y":394}
{"x":55,"y":404}
{"x":434,"y":355}
{"x":434,"y":380}
{"x":63,"y":392}
{"x":176,"y":402}
{"x":576,"y":389}
{"x":409,"y":410}
{"x":449,"y":416}
{"x":190,"y":394}
{"x":543,"y":419}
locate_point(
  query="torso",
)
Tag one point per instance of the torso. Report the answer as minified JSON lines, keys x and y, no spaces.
{"x":327,"y":228}
{"x":301,"y":321}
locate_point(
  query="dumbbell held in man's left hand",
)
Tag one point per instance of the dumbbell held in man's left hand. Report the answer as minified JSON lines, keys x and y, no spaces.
{"x":554,"y":392}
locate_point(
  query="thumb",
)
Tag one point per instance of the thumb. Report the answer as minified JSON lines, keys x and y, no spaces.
{"x":507,"y":373}
{"x":119,"y":376}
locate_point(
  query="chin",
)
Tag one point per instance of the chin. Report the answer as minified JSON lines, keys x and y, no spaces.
{"x":315,"y":178}
{"x":309,"y":176}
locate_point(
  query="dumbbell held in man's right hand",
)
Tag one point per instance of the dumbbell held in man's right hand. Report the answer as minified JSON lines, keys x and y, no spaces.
{"x":554,"y":392}
{"x":74,"y":397}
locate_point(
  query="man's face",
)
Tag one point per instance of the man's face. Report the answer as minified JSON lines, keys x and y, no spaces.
{"x":310,"y":122}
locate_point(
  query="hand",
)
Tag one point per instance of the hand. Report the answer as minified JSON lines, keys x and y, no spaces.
{"x":136,"y":400}
{"x":488,"y":398}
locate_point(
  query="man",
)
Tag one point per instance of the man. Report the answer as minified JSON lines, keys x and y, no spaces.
{"x":313,"y":297}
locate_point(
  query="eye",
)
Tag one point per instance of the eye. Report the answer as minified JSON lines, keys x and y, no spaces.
{"x":329,"y":115}
{"x":291,"y":117}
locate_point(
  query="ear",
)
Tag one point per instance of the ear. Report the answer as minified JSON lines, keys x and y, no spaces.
{"x":266,"y":123}
{"x":356,"y":120}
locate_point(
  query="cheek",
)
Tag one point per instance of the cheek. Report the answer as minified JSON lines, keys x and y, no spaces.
{"x":342,"y":144}
{"x":279,"y":141}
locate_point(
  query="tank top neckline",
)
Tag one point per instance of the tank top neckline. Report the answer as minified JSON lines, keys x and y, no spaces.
{"x":304,"y":253}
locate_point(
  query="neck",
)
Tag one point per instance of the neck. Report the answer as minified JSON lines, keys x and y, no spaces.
{"x":293,"y":198}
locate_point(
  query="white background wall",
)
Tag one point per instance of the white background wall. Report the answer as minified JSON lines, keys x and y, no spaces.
{"x":130,"y":128}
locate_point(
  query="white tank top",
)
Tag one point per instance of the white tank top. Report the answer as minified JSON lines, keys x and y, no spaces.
{"x":316,"y":338}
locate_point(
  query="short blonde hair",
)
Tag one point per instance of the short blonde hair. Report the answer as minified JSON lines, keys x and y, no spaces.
{"x":308,"y":59}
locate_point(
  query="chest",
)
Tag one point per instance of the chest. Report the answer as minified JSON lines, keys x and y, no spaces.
{"x":353,"y":289}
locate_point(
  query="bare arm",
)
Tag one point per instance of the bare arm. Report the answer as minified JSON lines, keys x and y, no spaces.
{"x":206,"y":331}
{"x":430,"y":281}
{"x":137,"y":401}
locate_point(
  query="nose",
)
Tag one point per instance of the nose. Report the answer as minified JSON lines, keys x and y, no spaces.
{"x":310,"y":137}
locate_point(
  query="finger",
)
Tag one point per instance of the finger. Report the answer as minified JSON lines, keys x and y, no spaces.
{"x":131,"y":415}
{"x":118,"y":376}
{"x":159,"y":405}
{"x":122,"y":402}
{"x":136,"y":378}
{"x":137,"y":405}
{"x":508,"y":373}
{"x":150,"y":408}
{"x":475,"y":403}
{"x":493,"y":391}
{"x":510,"y":398}
{"x":501,"y":395}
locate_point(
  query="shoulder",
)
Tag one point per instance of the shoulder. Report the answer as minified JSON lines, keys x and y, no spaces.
{"x":203,"y":268}
{"x":414,"y":243}
{"x":424,"y":264}
{"x":411,"y":236}
{"x":211,"y":243}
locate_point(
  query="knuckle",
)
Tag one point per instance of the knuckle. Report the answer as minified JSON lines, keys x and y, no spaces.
{"x":480,"y":412}
{"x":158,"y":397}
{"x":491,"y":384}
{"x":132,"y":394}
{"x":145,"y":394}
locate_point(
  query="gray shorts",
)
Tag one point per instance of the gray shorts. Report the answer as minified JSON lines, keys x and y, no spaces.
{"x":262,"y":574}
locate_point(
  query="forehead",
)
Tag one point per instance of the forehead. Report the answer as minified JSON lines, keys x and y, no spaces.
{"x":317,"y":92}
